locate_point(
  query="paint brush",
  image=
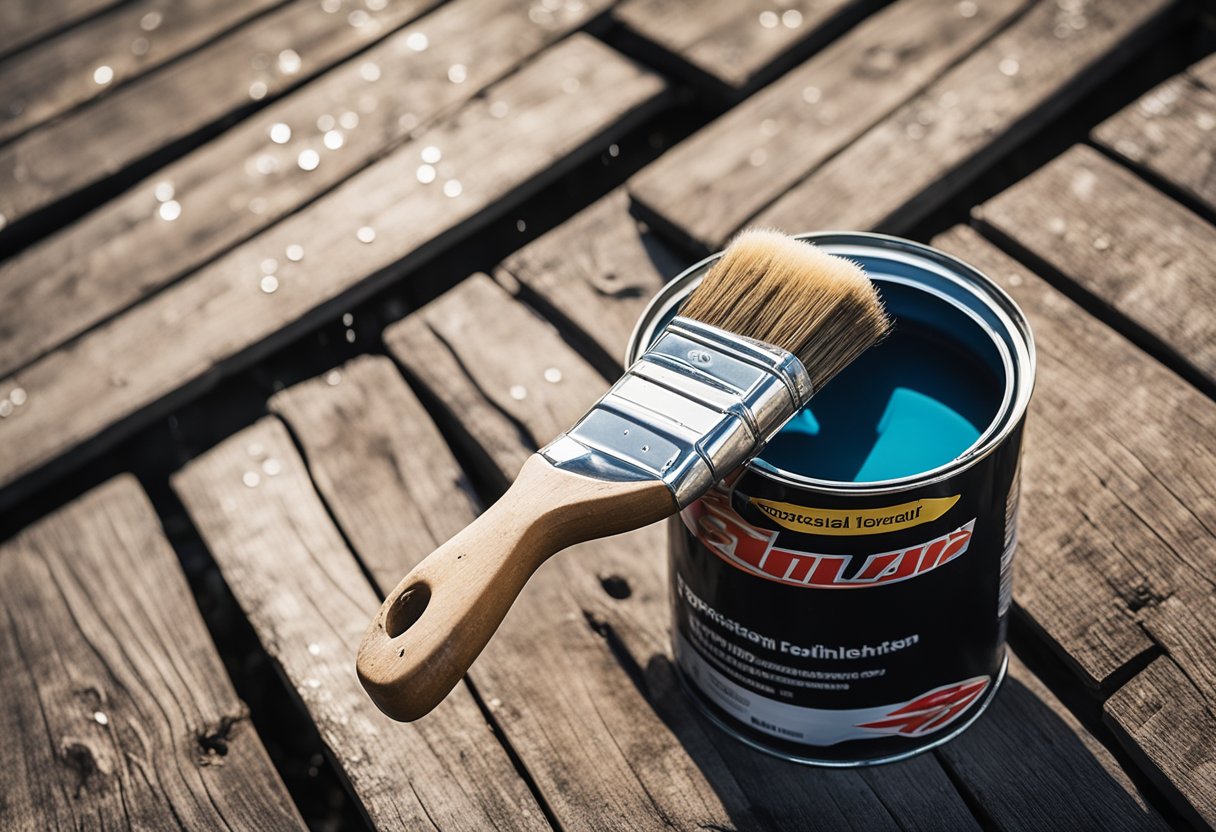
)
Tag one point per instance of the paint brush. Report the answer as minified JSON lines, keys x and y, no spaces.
{"x":771,"y":323}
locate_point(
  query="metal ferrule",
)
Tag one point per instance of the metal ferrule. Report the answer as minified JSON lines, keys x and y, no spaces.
{"x":698,"y":404}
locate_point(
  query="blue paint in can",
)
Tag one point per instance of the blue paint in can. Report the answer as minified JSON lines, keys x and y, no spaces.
{"x":914,"y":403}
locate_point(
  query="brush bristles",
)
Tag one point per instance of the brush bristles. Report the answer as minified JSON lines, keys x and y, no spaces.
{"x":790,"y":294}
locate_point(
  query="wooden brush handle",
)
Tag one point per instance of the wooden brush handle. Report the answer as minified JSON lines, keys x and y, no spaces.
{"x":436,"y":622}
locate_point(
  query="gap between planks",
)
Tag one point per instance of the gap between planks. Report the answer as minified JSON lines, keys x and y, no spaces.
{"x":24,"y":23}
{"x":890,"y":166}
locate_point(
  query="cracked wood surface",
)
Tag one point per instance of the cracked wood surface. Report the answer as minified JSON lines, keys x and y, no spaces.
{"x":1068,"y":777}
{"x":122,"y":713}
{"x":927,"y":150}
{"x":243,"y":181}
{"x":117,"y":711}
{"x":309,"y":603}
{"x":1138,"y":484}
{"x":375,"y":227}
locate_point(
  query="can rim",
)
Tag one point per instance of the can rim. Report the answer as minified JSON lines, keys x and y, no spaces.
{"x":1021,"y":372}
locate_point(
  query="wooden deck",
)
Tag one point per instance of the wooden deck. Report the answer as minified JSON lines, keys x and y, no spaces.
{"x":289,"y":289}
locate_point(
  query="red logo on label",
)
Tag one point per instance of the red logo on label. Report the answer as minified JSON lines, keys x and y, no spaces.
{"x":751,"y":549}
{"x":931,"y":711}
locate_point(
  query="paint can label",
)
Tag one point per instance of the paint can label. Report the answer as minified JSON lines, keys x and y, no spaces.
{"x":840,"y":627}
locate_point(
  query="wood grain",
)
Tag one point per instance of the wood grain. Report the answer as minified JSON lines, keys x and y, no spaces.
{"x":1165,"y":724}
{"x":580,"y":679}
{"x":1118,"y":481}
{"x":597,"y":270}
{"x":939,"y":141}
{"x":380,"y":463}
{"x":707,"y":187}
{"x":307,"y":600}
{"x":1169,"y":133}
{"x":201,"y":89}
{"x":1065,"y":776}
{"x":131,"y":39}
{"x":117,"y":711}
{"x":25,"y":21}
{"x":735,"y":44}
{"x":219,"y":318}
{"x":242,"y":182}
{"x":1118,"y":238}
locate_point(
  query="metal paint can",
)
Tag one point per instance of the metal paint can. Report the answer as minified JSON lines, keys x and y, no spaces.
{"x":843,"y":599}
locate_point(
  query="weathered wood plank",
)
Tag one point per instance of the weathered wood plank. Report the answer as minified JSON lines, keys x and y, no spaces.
{"x":375,"y":227}
{"x":579,"y":675}
{"x":707,"y":187}
{"x":307,"y":600}
{"x":1120,"y":239}
{"x":124,"y":43}
{"x":24,"y":21}
{"x":1165,"y":724}
{"x":598,"y":270}
{"x":300,"y":40}
{"x":1118,"y":481}
{"x":1169,"y":133}
{"x":1065,"y":777}
{"x":117,"y":710}
{"x":936,"y":143}
{"x":739,"y":44}
{"x":380,"y":463}
{"x":237,"y":185}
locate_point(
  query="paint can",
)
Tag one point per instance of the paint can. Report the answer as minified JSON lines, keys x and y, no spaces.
{"x":843,"y":599}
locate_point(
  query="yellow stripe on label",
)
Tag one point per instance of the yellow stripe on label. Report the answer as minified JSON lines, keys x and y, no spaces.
{"x":854,"y":521}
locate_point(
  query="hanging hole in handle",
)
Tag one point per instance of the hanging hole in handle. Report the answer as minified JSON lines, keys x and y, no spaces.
{"x":407,"y":609}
